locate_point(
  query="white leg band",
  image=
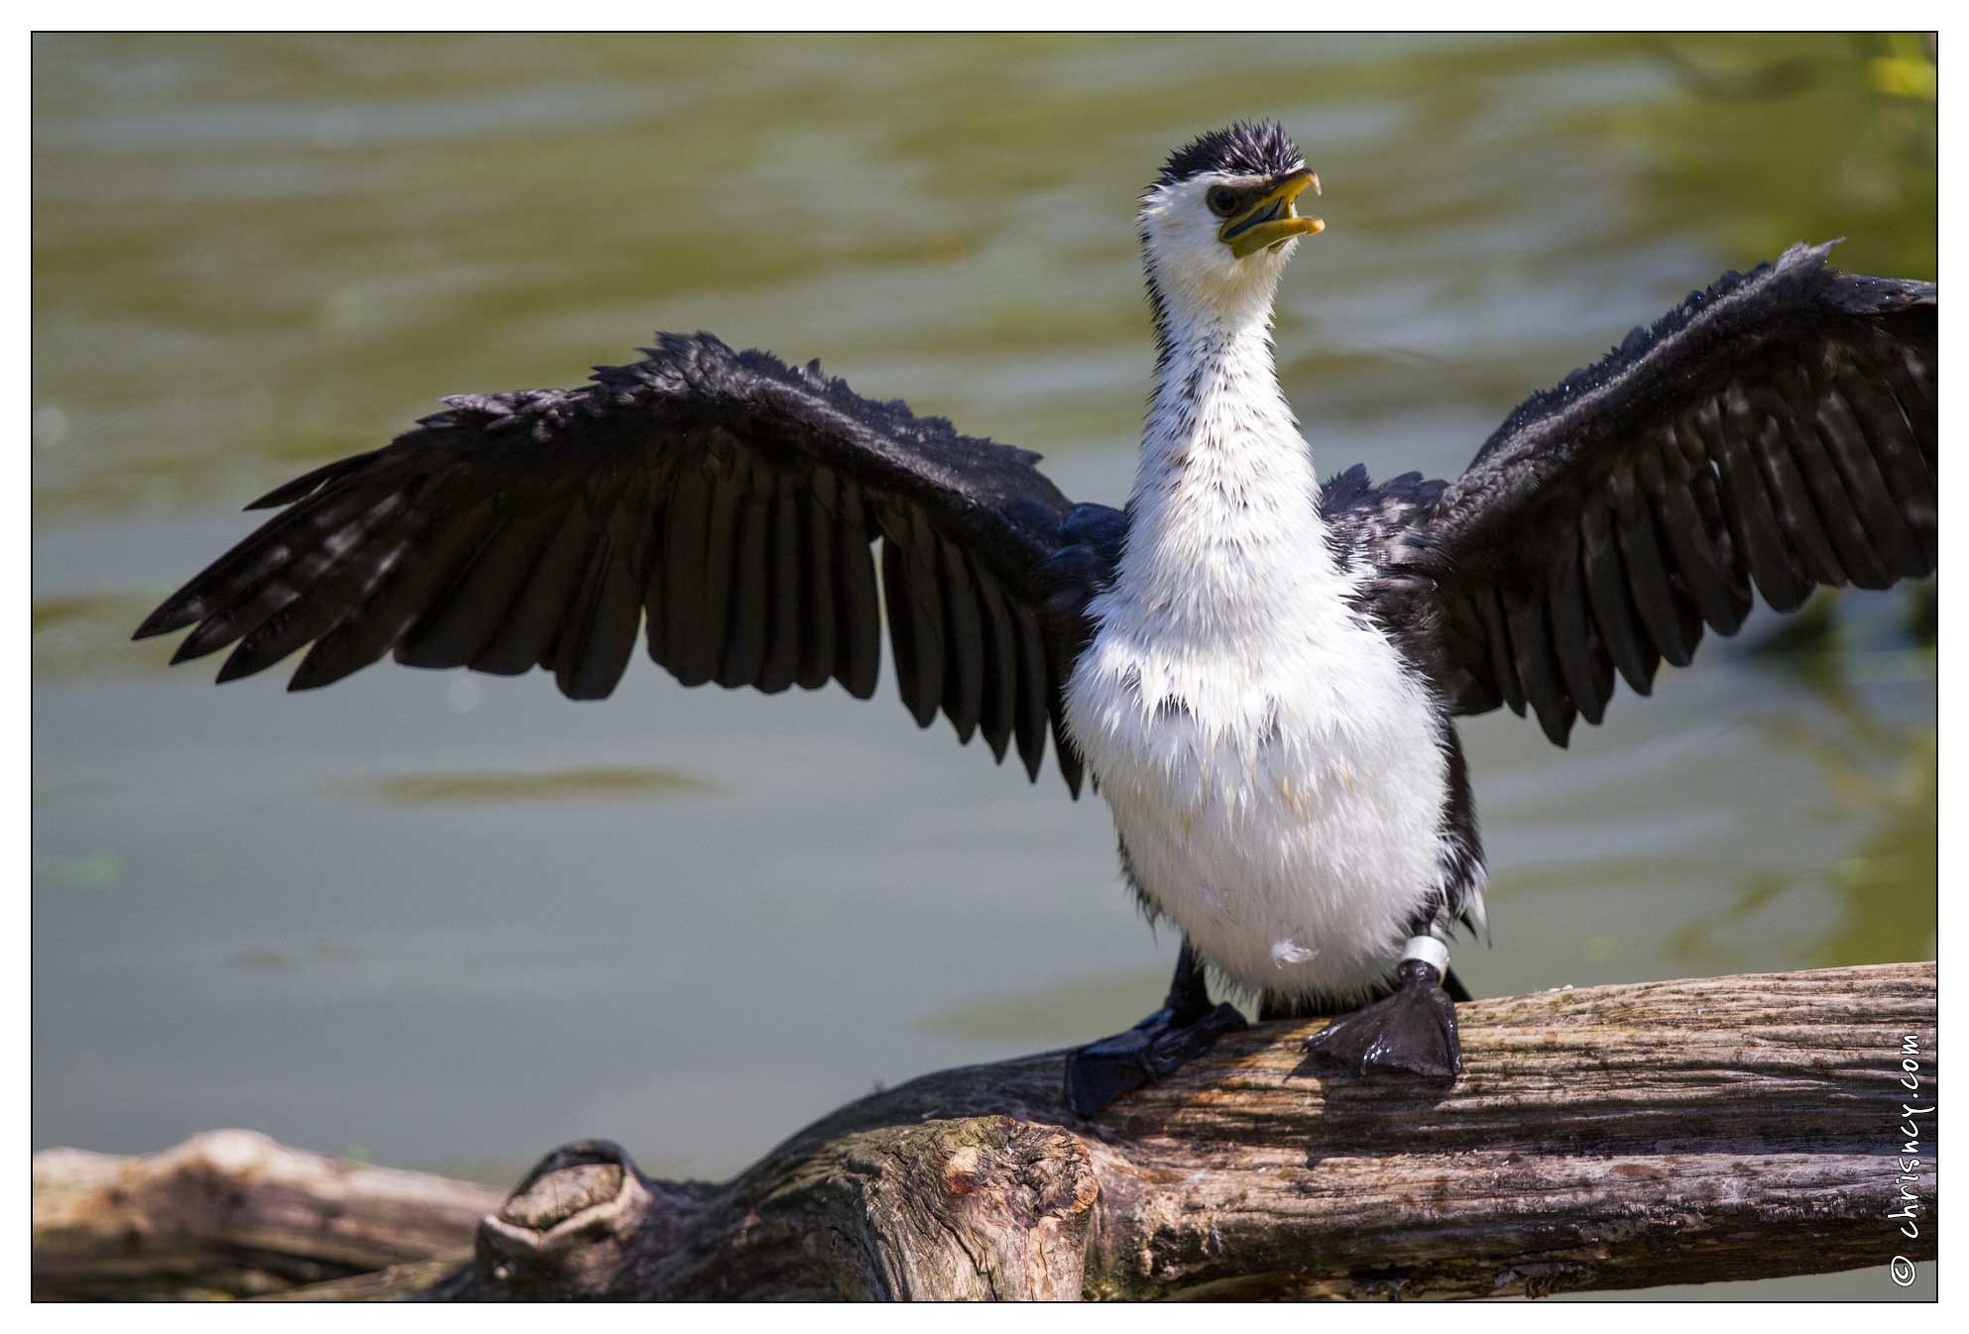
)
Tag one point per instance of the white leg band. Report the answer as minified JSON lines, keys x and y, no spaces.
{"x":1429,"y":950}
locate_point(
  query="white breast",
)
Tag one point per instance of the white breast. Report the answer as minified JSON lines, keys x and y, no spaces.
{"x":1274,"y":771}
{"x":1281,"y":806}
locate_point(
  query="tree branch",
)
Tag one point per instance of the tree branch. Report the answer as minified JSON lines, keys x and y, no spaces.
{"x":232,"y":1213}
{"x":1615,"y":1137}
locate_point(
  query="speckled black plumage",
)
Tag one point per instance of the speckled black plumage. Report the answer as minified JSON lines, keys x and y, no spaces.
{"x":722,"y":500}
{"x":1776,"y":430}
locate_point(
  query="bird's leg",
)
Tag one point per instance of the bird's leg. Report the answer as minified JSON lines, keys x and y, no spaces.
{"x":1413,"y":1030}
{"x":1186,"y":1026}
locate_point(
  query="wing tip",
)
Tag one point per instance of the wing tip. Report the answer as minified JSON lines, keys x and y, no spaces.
{"x":169,"y":616}
{"x":239,"y":664}
{"x":192,"y":649}
{"x":318,"y":669}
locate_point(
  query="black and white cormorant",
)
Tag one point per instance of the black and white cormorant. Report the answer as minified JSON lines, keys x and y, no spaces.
{"x":1260,"y":672}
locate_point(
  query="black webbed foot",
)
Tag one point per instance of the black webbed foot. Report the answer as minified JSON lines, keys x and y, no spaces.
{"x":1413,"y":1030}
{"x":1184,"y":1028}
{"x":1160,"y":1045}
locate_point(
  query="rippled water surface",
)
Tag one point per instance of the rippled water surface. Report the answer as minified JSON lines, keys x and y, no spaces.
{"x":457,"y":920}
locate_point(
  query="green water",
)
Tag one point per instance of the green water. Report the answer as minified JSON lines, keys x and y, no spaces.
{"x":457,"y":921}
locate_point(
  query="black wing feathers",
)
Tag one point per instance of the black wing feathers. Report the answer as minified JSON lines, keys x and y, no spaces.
{"x":723,"y":501}
{"x":1775,"y":431}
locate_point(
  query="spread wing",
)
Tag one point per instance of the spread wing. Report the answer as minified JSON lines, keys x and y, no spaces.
{"x":1776,"y":430}
{"x":721,"y":500}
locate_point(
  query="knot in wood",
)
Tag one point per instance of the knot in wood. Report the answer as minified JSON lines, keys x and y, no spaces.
{"x":569,"y":1228}
{"x":560,"y":1195}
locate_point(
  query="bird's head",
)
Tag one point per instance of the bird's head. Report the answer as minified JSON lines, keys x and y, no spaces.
{"x":1220,"y":222}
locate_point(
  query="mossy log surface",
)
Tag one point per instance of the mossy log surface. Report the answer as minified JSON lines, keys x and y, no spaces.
{"x":1606,"y":1137}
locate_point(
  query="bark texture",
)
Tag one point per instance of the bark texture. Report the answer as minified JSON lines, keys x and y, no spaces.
{"x":231,"y":1213}
{"x":1613,"y":1137}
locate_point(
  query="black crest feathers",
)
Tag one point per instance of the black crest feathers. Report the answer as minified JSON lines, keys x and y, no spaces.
{"x":1245,"y":148}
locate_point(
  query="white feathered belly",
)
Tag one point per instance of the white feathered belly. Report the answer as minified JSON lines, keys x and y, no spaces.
{"x":1283,"y":807}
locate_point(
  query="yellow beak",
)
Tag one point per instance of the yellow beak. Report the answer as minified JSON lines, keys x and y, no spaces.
{"x":1273,"y":219}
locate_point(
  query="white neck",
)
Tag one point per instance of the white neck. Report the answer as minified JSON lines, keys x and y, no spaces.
{"x":1225,"y":545}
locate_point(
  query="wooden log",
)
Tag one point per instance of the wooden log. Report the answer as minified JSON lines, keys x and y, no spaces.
{"x":231,"y":1213}
{"x":1613,"y":1137}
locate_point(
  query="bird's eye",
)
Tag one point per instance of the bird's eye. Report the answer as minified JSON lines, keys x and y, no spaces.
{"x":1223,"y":201}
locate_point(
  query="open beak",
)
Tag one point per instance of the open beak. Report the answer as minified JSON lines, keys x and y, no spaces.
{"x":1273,"y":219}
